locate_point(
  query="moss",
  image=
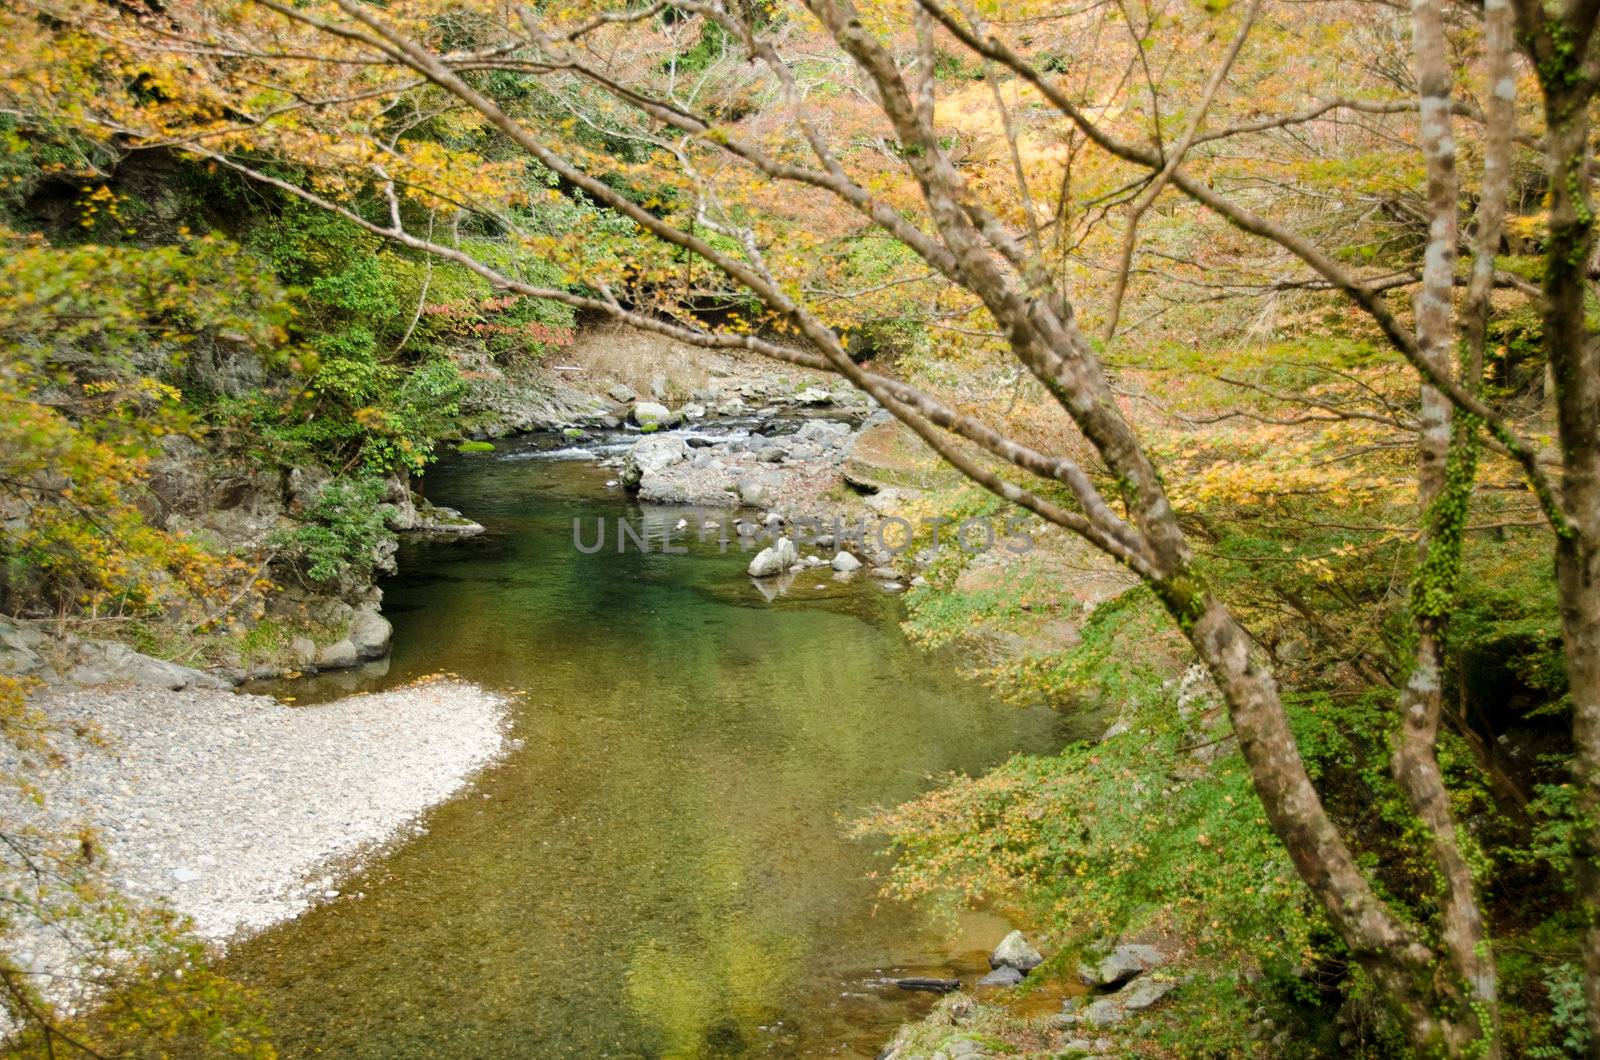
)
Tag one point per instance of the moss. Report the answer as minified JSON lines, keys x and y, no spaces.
{"x":475,"y":447}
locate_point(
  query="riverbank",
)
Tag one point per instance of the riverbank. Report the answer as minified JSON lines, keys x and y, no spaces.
{"x":237,"y":811}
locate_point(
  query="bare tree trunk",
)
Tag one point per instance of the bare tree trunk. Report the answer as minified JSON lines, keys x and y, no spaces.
{"x":1447,"y":461}
{"x":1561,"y":48}
{"x":1577,"y":384}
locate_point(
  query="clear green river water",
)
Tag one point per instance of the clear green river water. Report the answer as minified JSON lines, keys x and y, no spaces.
{"x":661,"y":866}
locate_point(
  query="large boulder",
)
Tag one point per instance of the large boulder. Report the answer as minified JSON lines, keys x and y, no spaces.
{"x":844,"y":562}
{"x":622,"y":393}
{"x":758,"y":491}
{"x":106,"y":662}
{"x":340,"y":655}
{"x":645,"y":413}
{"x":770,"y":562}
{"x":1134,"y":998}
{"x":1122,"y":964}
{"x":824,"y":433}
{"x":1016,"y":952}
{"x":369,"y":634}
{"x":813,"y":395}
{"x":651,"y":455}
{"x":20,"y":648}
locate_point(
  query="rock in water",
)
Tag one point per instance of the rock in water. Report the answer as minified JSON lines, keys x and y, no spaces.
{"x":1005,"y":975}
{"x":340,"y":655}
{"x":650,"y":455}
{"x":370,"y":633}
{"x":649,"y":412}
{"x":844,"y":561}
{"x":773,"y":561}
{"x":1015,"y":951}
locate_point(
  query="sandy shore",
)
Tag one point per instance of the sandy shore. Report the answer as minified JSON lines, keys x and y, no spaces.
{"x":235,"y":809}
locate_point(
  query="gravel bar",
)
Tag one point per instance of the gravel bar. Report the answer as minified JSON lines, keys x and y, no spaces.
{"x":235,"y":809}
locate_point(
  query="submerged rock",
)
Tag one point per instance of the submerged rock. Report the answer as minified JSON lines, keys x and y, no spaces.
{"x":1005,"y":975}
{"x":1016,"y":952}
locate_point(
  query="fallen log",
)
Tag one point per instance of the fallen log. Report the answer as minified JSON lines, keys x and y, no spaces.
{"x":933,"y":986}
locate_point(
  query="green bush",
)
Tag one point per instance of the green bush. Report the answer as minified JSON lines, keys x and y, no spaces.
{"x":342,"y":530}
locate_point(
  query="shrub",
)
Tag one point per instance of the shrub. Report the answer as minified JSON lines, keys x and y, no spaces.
{"x":342,"y":530}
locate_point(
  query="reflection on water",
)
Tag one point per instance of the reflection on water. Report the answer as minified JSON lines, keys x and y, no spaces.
{"x":660,"y":868}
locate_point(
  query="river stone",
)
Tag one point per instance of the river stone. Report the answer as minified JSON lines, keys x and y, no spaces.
{"x":757,"y":491}
{"x":825,"y":433}
{"x":651,"y":455}
{"x":304,"y":650}
{"x":1004,"y":975}
{"x":771,"y":454}
{"x":18,"y":650}
{"x":845,"y":562}
{"x":1117,"y":728}
{"x":773,"y":561}
{"x":1015,"y":951}
{"x":340,"y":655}
{"x":813,"y":395}
{"x":1121,"y":964}
{"x":106,"y":662}
{"x":622,"y":393}
{"x":369,"y":634}
{"x":1135,"y":998}
{"x":646,"y":412}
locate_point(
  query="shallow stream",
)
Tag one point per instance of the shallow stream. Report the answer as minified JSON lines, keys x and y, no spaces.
{"x":661,"y":867}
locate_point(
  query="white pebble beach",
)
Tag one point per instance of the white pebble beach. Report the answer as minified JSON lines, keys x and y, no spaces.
{"x":235,"y":809}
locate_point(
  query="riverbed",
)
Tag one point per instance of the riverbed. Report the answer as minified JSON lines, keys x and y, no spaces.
{"x":660,"y":865}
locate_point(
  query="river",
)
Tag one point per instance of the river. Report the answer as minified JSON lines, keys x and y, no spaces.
{"x":661,"y":866}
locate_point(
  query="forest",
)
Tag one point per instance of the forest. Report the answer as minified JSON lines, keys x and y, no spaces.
{"x":332,"y":329}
